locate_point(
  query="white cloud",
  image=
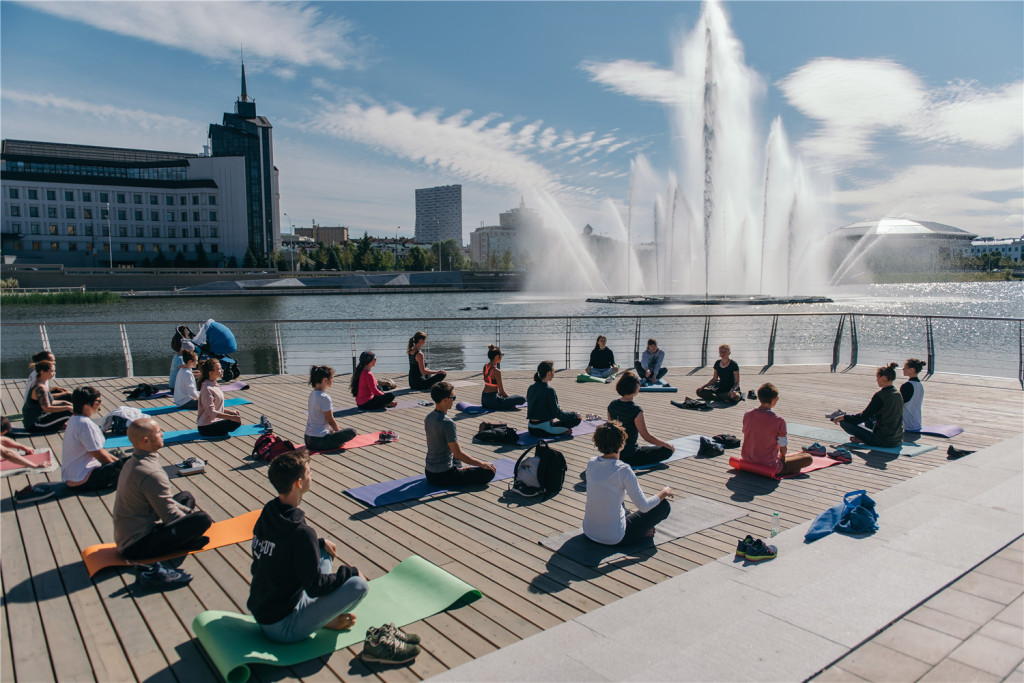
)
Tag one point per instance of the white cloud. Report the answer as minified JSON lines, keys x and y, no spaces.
{"x":642,"y":80}
{"x":295,"y":33}
{"x":136,"y":118}
{"x":965,"y":113}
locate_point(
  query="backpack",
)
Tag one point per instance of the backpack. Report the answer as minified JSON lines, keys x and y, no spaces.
{"x":498,"y":432}
{"x":117,"y":420}
{"x":727,"y":440}
{"x":269,"y":446}
{"x":141,"y":390}
{"x":709,"y":448}
{"x":539,"y":474}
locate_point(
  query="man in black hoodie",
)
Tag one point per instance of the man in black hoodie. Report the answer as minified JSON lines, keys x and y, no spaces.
{"x":293,"y":591}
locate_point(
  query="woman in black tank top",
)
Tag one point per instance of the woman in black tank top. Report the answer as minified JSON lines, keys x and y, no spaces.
{"x":421,"y":378}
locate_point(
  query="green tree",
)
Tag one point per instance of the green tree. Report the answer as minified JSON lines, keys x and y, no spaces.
{"x":319,"y":257}
{"x":249,"y":261}
{"x":416,"y":259}
{"x":202,"y":261}
{"x":492,"y":261}
{"x":279,"y":260}
{"x":232,"y":262}
{"x":161,"y":260}
{"x":507,"y":262}
{"x":383,"y":259}
{"x":333,"y":260}
{"x":179,"y":260}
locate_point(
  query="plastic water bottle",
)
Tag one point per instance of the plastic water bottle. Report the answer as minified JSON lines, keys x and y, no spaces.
{"x":775,"y":524}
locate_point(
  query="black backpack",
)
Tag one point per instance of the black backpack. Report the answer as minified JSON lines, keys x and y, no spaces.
{"x":498,"y":432}
{"x":550,"y":468}
{"x":142,"y":390}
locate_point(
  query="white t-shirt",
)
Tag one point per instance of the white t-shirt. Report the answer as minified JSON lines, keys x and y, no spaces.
{"x":185,"y":387}
{"x":81,"y":435}
{"x":31,"y":381}
{"x":316,"y":423}
{"x":608,"y":482}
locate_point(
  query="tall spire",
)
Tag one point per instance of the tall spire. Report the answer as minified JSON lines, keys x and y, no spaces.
{"x":244,"y":97}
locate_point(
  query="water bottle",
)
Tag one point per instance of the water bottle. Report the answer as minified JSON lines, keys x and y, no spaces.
{"x":775,"y":524}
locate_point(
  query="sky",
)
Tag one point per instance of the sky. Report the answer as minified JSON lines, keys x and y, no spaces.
{"x":906,"y":109}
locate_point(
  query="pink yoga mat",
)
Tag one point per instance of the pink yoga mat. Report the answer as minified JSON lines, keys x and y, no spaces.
{"x":358,"y":442}
{"x":35,"y":458}
{"x":819,"y":462}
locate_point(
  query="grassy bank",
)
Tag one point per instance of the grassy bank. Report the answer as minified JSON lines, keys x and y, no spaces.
{"x":35,"y":298}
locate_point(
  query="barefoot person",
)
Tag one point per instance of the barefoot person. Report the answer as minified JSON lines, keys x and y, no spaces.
{"x":443,"y":447}
{"x":149,"y":519}
{"x":494,"y":396}
{"x":602,"y":360}
{"x":213,"y":418}
{"x":885,"y":407}
{"x":609,"y":481}
{"x":421,"y":378}
{"x":765,"y":439}
{"x":725,"y":382}
{"x":649,"y":368}
{"x":85,"y":464}
{"x":626,"y":412}
{"x":322,"y":431}
{"x":293,"y":592}
{"x":912,"y":392}
{"x":9,"y":448}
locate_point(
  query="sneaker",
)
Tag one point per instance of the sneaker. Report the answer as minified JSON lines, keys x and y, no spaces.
{"x":265,"y":424}
{"x":956,"y":453}
{"x":385,"y":647}
{"x":841,"y":454}
{"x":752,"y":395}
{"x":160,"y":578}
{"x":34,"y":494}
{"x":190,"y":466}
{"x":815,"y":449}
{"x":743,"y":545}
{"x":758,"y":551}
{"x":410,"y":638}
{"x":834,"y":414}
{"x":387,"y":436}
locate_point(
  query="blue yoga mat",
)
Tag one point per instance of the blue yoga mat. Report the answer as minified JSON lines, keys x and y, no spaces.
{"x":839,"y":436}
{"x":164,"y":410}
{"x":660,"y":388}
{"x":184,"y":436}
{"x":410,"y":488}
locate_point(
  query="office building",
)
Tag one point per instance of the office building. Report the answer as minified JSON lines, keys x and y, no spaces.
{"x":439,"y":214}
{"x":1008,"y":247}
{"x":325,"y":235}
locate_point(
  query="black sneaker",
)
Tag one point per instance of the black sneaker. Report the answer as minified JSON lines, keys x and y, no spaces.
{"x":956,"y":453}
{"x":190,"y":466}
{"x":752,"y":395}
{"x":759,"y":551}
{"x":387,"y":436}
{"x":386,"y":648}
{"x":410,"y":638}
{"x":34,"y":494}
{"x":743,"y":545}
{"x":265,"y":424}
{"x":159,"y":578}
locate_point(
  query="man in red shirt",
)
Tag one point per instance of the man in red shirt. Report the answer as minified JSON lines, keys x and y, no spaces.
{"x":765,"y":439}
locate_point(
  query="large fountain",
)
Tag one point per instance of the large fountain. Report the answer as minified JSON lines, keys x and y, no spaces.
{"x":736,"y":216}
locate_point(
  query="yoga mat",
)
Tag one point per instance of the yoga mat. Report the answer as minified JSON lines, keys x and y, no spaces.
{"x":9,"y":469}
{"x":686,"y":447}
{"x":230,"y":531}
{"x":471,"y":408}
{"x":583,"y":377}
{"x":14,"y":417}
{"x":160,"y":394}
{"x":163,"y":410}
{"x":184,"y":436}
{"x":839,"y":436}
{"x":462,"y":383}
{"x":237,"y":385}
{"x":359,"y":441}
{"x":409,"y":488}
{"x":583,"y":428}
{"x":947,"y":431}
{"x":21,"y":433}
{"x":688,"y":516}
{"x":356,"y":410}
{"x":819,"y":462}
{"x":660,"y":386}
{"x":413,"y":590}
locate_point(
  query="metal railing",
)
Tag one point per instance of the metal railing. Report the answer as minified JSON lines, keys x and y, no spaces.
{"x":969,"y":345}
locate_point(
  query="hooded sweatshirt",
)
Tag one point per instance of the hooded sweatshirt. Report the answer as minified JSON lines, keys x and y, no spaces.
{"x":286,"y":562}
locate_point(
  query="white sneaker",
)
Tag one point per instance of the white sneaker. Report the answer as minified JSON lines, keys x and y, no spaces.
{"x":190,"y":466}
{"x":834,"y":414}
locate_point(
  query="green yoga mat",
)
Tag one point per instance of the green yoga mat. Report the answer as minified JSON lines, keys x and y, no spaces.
{"x":414,"y":590}
{"x":824,"y":434}
{"x":583,"y":377}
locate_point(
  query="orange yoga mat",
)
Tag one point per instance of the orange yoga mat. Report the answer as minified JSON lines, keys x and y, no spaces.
{"x":230,"y":531}
{"x":358,"y":441}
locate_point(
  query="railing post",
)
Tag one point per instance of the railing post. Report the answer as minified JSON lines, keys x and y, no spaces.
{"x":1020,"y":367}
{"x":129,"y":368}
{"x":568,"y":342}
{"x":45,"y":337}
{"x":853,"y":342}
{"x":280,"y":348}
{"x":771,"y":345}
{"x":929,"y":333}
{"x":636,"y":340}
{"x":704,"y":342}
{"x":352,"y":334}
{"x":497,"y":332}
{"x":838,"y":343}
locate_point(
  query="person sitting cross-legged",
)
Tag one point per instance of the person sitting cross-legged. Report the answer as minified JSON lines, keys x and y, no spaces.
{"x":85,"y":464}
{"x":150,"y":520}
{"x":443,"y":446}
{"x":186,"y":395}
{"x":649,"y":368}
{"x":626,"y":412}
{"x":765,"y":439}
{"x":724,"y":384}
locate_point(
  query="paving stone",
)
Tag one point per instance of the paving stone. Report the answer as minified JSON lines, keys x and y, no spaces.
{"x":951,"y":670}
{"x":874,"y":662}
{"x":1013,"y":614}
{"x":917,"y":641}
{"x":1003,"y":632}
{"x":989,"y":655}
{"x":1003,"y":569}
{"x":967,"y":607}
{"x":942,"y":622}
{"x":989,"y":587}
{"x":836,"y":674}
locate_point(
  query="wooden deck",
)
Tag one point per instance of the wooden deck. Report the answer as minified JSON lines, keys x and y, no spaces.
{"x":61,"y":625}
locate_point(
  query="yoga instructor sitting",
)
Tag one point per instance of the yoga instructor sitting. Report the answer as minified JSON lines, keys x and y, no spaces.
{"x":602,"y":360}
{"x":542,"y":411}
{"x":886,"y":407}
{"x":443,"y":447}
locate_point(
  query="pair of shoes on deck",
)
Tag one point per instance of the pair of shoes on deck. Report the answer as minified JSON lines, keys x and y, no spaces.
{"x":158,"y":577}
{"x":755,"y":550}
{"x":389,"y":645}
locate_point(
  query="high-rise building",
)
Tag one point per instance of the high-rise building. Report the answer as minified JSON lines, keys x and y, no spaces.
{"x":250,"y":136}
{"x":439,"y":214}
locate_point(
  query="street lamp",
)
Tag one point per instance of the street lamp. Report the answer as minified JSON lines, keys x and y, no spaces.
{"x":110,"y":238}
{"x":396,"y":246}
{"x":292,"y":249}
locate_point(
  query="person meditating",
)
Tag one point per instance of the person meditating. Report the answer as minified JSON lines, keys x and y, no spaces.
{"x":725,"y":382}
{"x":443,"y":447}
{"x":602,"y":360}
{"x":213,"y":419}
{"x":364,"y":386}
{"x":912,"y":392}
{"x":885,"y":408}
{"x":765,"y":439}
{"x":421,"y":378}
{"x":186,"y":395}
{"x":149,"y":519}
{"x":9,"y":448}
{"x":626,"y":412}
{"x":294,"y":591}
{"x":649,"y":368}
{"x":609,"y":481}
{"x":545,"y":417}
{"x":494,"y":396}
{"x":57,"y":392}
{"x":41,"y":411}
{"x":322,"y":431}
{"x":85,"y":464}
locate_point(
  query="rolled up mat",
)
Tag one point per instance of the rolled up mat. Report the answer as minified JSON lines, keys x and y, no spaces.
{"x":410,"y":488}
{"x":9,"y":469}
{"x":184,"y":436}
{"x":585,"y":427}
{"x":163,"y":410}
{"x":358,"y":442}
{"x":471,"y":408}
{"x":584,"y":377}
{"x":230,"y":531}
{"x":818,"y":462}
{"x":839,"y":436}
{"x":413,"y":590}
{"x":947,"y":431}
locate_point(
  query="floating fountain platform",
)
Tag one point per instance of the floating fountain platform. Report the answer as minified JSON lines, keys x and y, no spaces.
{"x":715,"y":300}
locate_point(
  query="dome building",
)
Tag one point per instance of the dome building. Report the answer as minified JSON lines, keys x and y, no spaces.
{"x":895,"y":245}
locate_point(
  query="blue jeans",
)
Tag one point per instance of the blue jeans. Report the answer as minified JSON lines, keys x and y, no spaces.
{"x":311,"y":614}
{"x":605,"y":372}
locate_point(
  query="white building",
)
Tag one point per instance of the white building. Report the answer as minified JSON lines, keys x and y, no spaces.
{"x":1009,"y":247}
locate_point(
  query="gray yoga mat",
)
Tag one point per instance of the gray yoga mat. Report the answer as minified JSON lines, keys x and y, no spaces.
{"x":688,"y":516}
{"x":839,"y":436}
{"x":686,"y":447}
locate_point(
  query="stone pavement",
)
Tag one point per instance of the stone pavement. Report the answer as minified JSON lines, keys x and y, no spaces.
{"x":819,"y":603}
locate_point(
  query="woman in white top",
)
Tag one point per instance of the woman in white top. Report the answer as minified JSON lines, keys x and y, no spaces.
{"x":609,"y":480}
{"x":186,"y":395}
{"x":322,"y":431}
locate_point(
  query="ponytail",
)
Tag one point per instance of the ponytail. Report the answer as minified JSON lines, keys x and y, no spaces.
{"x":413,"y":340}
{"x":916,"y":365}
{"x":887,"y":371}
{"x":206,"y":367}
{"x":318,"y":373}
{"x":543,"y":369}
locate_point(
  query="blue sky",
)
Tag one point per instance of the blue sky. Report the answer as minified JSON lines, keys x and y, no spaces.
{"x":906,"y":109}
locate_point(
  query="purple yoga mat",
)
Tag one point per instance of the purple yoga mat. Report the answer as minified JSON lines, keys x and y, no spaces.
{"x":585,"y":427}
{"x":474,"y":409}
{"x":410,"y":488}
{"x":948,"y":431}
{"x":237,"y":385}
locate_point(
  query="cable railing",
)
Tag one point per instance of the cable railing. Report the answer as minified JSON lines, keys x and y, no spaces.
{"x":987,"y":346}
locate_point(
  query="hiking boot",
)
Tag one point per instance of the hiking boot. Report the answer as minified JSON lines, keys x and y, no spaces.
{"x":34,"y":494}
{"x":834,"y":414}
{"x":743,"y":545}
{"x":758,"y":551}
{"x":956,"y":453}
{"x":815,"y":449}
{"x":159,"y":578}
{"x":385,"y":647}
{"x":398,"y":633}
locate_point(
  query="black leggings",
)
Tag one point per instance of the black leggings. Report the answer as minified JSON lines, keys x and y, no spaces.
{"x":330,"y":442}
{"x":639,"y":523}
{"x":645,"y":455}
{"x":568,"y":422}
{"x":491,"y":401}
{"x":48,"y":422}
{"x":181,"y":534}
{"x":378,"y":402}
{"x":422,"y":383}
{"x":102,"y":477}
{"x":457,"y":477}
{"x":713,"y":394}
{"x":219,"y":428}
{"x":641,"y":372}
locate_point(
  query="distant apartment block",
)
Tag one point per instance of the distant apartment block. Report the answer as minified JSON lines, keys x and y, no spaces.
{"x":1010,"y":247}
{"x":325,"y":235}
{"x":516,"y":227}
{"x":439,"y":214}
